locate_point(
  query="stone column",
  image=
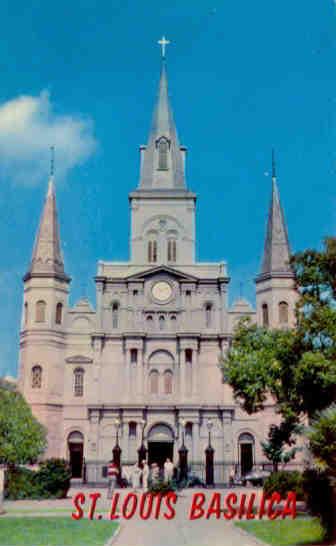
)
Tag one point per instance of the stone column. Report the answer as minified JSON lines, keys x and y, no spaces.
{"x":92,"y":449}
{"x":140,"y":371}
{"x":94,"y":391}
{"x":182,"y":374}
{"x":195,"y":442}
{"x":127,"y":372}
{"x":223,"y":314}
{"x":228,"y":454}
{"x":195,"y":373}
{"x":99,"y":296}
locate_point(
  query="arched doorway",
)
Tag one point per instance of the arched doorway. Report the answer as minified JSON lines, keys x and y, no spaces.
{"x":246,"y":452}
{"x":160,"y":444}
{"x":76,"y":450}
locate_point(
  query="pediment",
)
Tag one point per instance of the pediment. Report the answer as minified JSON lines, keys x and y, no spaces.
{"x":151,"y":272}
{"x":79,"y":359}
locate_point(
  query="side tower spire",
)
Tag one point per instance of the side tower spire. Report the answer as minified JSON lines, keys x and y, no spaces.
{"x":277,"y":250}
{"x":162,"y":165}
{"x":275,"y":287}
{"x":47,"y":256}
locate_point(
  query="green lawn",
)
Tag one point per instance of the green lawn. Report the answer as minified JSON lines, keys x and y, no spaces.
{"x":57,"y":531}
{"x":286,"y":532}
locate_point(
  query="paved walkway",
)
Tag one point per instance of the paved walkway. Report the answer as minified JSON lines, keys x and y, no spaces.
{"x":180,"y":531}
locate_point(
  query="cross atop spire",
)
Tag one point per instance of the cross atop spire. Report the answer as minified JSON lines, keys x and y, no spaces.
{"x":52,"y":161}
{"x":163,"y":43}
{"x":273,"y":165}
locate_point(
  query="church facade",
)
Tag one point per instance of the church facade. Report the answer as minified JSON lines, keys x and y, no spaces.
{"x":142,"y":367}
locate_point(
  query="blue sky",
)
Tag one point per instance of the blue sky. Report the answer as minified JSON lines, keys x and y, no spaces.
{"x":244,"y":77}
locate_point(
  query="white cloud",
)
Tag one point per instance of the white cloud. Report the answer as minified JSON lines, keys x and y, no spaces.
{"x":28,"y":127}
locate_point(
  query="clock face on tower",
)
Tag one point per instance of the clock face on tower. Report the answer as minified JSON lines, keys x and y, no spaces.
{"x":162,"y":291}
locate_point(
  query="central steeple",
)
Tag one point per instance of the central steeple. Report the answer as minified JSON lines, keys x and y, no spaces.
{"x":162,"y":160}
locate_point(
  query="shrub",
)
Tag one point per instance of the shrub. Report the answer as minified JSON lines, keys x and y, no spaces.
{"x":318,"y":496}
{"x":52,"y":480}
{"x":21,"y":483}
{"x":54,"y":477}
{"x":162,"y":488}
{"x":283,"y":482}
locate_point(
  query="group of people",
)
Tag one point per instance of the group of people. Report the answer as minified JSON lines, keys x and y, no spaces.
{"x":140,"y":475}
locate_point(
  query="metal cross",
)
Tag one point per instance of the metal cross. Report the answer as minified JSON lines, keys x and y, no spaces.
{"x":163,"y":42}
{"x":52,"y":160}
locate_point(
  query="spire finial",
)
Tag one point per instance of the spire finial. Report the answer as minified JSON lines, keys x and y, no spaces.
{"x":273,"y":164}
{"x":163,"y":43}
{"x":52,"y":161}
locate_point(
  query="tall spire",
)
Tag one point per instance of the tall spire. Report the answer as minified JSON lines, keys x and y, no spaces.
{"x":162,"y":160}
{"x":277,"y":250}
{"x":47,"y":256}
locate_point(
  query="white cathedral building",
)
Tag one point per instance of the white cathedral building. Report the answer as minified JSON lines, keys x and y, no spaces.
{"x":143,"y":365}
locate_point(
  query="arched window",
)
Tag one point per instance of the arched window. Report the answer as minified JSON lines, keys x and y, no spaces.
{"x":188,"y":430}
{"x":173,"y":322}
{"x":25,"y":313}
{"x":152,"y":251}
{"x":172,"y":250}
{"x":36,"y":377}
{"x":40,"y":312}
{"x":283,"y":312}
{"x":134,"y":356}
{"x":265,"y":317}
{"x":59,"y":313}
{"x":163,"y":147}
{"x":132,"y":429}
{"x":188,"y":356}
{"x":162,"y":322}
{"x":115,"y":314}
{"x":78,"y":382}
{"x":246,"y":452}
{"x":149,"y":321}
{"x":154,"y":382}
{"x":168,"y":382}
{"x":208,"y":315}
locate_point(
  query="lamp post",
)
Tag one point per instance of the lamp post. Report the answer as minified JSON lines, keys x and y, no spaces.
{"x":209,"y":458}
{"x":183,"y":455}
{"x":142,"y":451}
{"x":116,"y":451}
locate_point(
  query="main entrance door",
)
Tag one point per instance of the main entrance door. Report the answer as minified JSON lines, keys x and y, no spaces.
{"x":75,"y":446}
{"x":160,"y":444}
{"x":158,"y":452}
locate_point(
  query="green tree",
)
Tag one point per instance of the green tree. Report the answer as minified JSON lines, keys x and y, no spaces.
{"x":322,"y":443}
{"x":297,"y":367}
{"x":274,"y":448}
{"x":22,"y":437}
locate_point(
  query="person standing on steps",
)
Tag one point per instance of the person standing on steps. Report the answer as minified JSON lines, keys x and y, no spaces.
{"x":168,"y":469}
{"x":145,"y":475}
{"x":112,"y":473}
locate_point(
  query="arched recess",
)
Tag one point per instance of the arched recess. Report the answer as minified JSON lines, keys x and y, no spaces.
{"x":76,"y":452}
{"x":59,"y":313}
{"x":168,"y":382}
{"x":161,"y":357}
{"x":283,"y":312}
{"x":265,"y":315}
{"x":160,"y":432}
{"x":40,"y":311}
{"x":246,"y":452}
